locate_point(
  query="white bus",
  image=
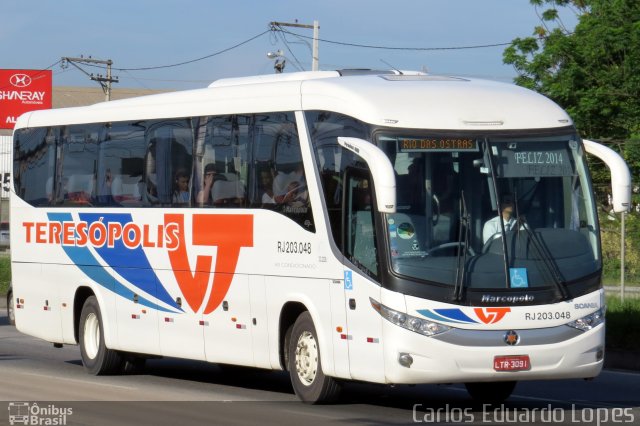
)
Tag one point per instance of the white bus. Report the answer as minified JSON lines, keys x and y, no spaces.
{"x":325,"y":223}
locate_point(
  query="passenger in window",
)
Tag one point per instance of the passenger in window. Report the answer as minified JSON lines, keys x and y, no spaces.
{"x":210,"y":176}
{"x":291,"y":188}
{"x":181,"y":187}
{"x":266,"y":184}
{"x":104,"y":192}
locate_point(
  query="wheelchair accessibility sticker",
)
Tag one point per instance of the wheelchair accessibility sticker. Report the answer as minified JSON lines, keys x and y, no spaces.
{"x":348,"y":280}
{"x":518,"y":277}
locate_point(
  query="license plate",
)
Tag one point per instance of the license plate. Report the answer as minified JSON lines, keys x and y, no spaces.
{"x":511,"y":363}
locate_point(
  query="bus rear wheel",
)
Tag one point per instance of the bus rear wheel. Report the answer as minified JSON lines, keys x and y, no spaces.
{"x":490,"y":392}
{"x":305,"y":366}
{"x":96,"y":357}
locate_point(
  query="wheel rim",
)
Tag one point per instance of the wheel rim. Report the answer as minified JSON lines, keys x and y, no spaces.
{"x":12,"y":314}
{"x":307,"y":358}
{"x":91,"y":335}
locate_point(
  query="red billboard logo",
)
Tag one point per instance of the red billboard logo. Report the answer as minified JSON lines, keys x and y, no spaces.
{"x":20,"y":80}
{"x":23,"y":91}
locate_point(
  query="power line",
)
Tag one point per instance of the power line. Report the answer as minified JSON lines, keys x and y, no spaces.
{"x":367,"y":46}
{"x":36,"y":75}
{"x":197,"y":59}
{"x":103,"y":81}
{"x":275,"y":29}
{"x":297,"y":63}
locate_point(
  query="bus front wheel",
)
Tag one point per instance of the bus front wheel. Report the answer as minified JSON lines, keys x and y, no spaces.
{"x":305,"y":366}
{"x":96,"y":357}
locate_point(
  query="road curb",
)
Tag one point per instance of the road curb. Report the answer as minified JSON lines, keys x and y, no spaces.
{"x":633,"y":291}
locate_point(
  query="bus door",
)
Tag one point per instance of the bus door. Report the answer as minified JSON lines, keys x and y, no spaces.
{"x":360,"y":275}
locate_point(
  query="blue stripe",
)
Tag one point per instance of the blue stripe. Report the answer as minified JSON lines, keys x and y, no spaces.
{"x":447,"y":315}
{"x":89,"y":265}
{"x":456,"y":315}
{"x":130,"y":264}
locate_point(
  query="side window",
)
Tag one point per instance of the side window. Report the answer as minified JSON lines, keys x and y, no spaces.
{"x":332,"y":160}
{"x":360,"y":236}
{"x":34,"y":165}
{"x":79,"y":155}
{"x":265,"y":133}
{"x":168,"y":163}
{"x":120,"y":165}
{"x":279,"y":169}
{"x":222,"y":163}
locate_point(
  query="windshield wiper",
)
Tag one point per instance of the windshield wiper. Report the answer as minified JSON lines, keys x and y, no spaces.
{"x":545,"y":256}
{"x":465,"y":220}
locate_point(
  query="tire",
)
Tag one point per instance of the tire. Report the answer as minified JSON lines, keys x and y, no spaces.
{"x":11,"y":309}
{"x":305,"y":365}
{"x":132,"y":364}
{"x":490,"y":392}
{"x":96,"y":357}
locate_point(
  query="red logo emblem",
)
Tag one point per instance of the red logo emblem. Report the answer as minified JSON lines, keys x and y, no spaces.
{"x":491,"y":315}
{"x":229,"y":233}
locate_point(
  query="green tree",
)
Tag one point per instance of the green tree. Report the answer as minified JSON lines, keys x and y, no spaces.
{"x":593,"y":71}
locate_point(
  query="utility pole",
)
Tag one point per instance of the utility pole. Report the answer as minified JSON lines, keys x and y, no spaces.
{"x":316,"y":32}
{"x":622,"y":253}
{"x":105,"y":82}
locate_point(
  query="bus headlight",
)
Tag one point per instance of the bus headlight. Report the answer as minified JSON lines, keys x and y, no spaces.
{"x":588,"y":322}
{"x":415,"y":324}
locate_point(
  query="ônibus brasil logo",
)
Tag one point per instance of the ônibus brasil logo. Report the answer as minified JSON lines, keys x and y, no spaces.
{"x":119,"y":242}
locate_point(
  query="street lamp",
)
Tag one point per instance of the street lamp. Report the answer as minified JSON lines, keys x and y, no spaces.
{"x":280,"y":60}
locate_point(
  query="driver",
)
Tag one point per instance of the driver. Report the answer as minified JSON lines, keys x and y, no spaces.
{"x":492,"y":226}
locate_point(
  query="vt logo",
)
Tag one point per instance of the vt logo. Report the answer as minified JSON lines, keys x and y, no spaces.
{"x":491,"y":315}
{"x":226,"y":232}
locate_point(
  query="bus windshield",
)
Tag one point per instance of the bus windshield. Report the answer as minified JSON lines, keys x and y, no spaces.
{"x":491,"y":213}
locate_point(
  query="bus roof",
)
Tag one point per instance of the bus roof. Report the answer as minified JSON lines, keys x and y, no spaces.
{"x":391,"y":99}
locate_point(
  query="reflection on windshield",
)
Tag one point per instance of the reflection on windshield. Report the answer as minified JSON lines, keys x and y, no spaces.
{"x":462,"y":206}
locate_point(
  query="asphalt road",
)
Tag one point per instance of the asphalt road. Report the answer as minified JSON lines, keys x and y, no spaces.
{"x":49,"y":386}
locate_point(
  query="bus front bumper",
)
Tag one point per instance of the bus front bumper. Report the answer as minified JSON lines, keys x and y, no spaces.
{"x":411,"y":358}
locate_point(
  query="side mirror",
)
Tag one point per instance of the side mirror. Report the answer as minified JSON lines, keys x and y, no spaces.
{"x":620,"y":176}
{"x":384,"y":179}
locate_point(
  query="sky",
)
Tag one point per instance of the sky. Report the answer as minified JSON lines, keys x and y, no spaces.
{"x":35,"y":34}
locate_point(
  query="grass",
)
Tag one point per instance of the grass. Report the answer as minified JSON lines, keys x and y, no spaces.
{"x":5,"y":274}
{"x":623,"y":323}
{"x":610,"y":233}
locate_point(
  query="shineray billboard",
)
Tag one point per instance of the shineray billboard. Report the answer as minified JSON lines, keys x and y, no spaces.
{"x":22,"y":91}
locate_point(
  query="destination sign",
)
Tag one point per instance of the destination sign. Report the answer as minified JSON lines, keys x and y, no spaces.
{"x":437,"y":144}
{"x":535,"y":160}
